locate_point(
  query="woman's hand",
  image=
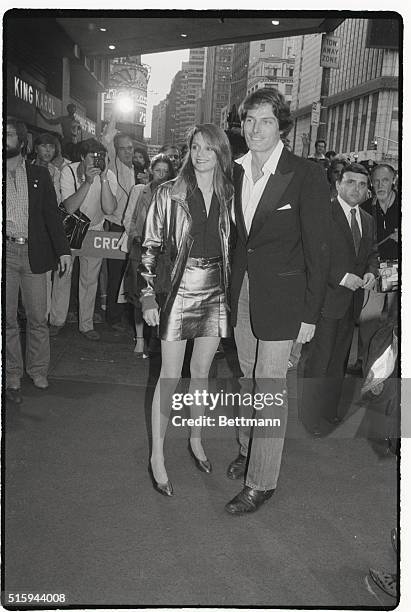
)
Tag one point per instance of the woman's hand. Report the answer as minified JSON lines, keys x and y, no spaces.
{"x":151,"y":317}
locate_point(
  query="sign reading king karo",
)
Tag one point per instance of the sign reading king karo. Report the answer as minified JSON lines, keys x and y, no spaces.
{"x":330,"y":51}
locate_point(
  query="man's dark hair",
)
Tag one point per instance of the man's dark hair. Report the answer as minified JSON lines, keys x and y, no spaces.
{"x":120,"y":136}
{"x":268,"y":95}
{"x":71,"y":108}
{"x":330,"y":154}
{"x":320,"y":140}
{"x":357,"y":168}
{"x":91,"y":145}
{"x":21,"y":131}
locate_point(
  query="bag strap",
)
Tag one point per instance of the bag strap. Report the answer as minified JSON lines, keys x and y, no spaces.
{"x":74,"y":178}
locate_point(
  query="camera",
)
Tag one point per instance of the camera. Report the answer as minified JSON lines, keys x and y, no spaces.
{"x":138,"y":168}
{"x":99,"y":159}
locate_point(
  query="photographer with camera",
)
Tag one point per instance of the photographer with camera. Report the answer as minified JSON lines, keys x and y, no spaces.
{"x":88,"y":186}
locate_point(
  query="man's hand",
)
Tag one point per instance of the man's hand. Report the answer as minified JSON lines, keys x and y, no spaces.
{"x":368,"y":280}
{"x":65,"y":264}
{"x":91,"y":172}
{"x":394,"y":235}
{"x":151,"y":317}
{"x":306,"y":332}
{"x":353,"y":282}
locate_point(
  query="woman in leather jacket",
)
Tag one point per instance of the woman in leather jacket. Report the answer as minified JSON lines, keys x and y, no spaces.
{"x":191,"y":215}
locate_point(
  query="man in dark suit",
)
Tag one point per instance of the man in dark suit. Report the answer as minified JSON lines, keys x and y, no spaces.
{"x":35,"y":243}
{"x":278,"y":277}
{"x":354,"y":264}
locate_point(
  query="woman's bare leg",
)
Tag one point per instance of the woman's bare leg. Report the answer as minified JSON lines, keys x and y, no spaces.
{"x":201,"y":360}
{"x":172,"y":357}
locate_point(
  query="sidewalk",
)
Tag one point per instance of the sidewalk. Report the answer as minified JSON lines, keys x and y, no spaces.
{"x":82,"y":518}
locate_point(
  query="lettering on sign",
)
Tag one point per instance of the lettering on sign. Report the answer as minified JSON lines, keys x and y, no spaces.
{"x":330,"y":51}
{"x":86,"y":124}
{"x":28,"y":93}
{"x":101,"y":244}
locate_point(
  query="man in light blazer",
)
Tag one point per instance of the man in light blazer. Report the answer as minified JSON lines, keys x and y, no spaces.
{"x":353,"y":268}
{"x":279,"y":271}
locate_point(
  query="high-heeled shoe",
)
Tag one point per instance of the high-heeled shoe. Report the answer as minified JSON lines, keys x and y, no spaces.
{"x":164,"y":489}
{"x":203,"y":466}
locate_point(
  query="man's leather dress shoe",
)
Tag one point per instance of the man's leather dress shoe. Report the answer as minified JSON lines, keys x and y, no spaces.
{"x":236,"y":469}
{"x":248,"y":500}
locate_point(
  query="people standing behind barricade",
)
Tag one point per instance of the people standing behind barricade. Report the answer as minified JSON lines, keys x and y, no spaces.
{"x":173,"y":152}
{"x":384,"y":207}
{"x":35,"y":244}
{"x":161,"y":170}
{"x":333,"y":173}
{"x":191,"y":214}
{"x":45,"y":150}
{"x":141,"y":163}
{"x":88,"y":186}
{"x":120,"y":152}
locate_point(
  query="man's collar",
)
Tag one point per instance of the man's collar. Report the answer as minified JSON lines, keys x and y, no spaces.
{"x":270,"y":164}
{"x":346,"y":207}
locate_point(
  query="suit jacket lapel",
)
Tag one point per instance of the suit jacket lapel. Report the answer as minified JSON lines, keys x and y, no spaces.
{"x":271,"y":197}
{"x":366,"y":231}
{"x":32,"y":186}
{"x":341,"y":219}
{"x":238,"y":206}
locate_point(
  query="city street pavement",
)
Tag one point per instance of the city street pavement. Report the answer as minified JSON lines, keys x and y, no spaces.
{"x":81,"y":517}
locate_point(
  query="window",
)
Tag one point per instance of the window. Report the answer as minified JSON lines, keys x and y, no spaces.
{"x":288,"y":90}
{"x":262,"y":47}
{"x":291,"y":72}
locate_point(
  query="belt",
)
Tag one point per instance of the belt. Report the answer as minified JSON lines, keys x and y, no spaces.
{"x":202,"y":262}
{"x":17,"y":240}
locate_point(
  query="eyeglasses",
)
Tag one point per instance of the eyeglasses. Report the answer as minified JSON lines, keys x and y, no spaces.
{"x":176,"y":156}
{"x":126,"y":149}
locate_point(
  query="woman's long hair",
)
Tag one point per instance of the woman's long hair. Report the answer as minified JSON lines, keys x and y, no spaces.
{"x":222,"y":179}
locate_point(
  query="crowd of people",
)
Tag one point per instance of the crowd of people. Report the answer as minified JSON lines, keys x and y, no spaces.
{"x":275,"y":248}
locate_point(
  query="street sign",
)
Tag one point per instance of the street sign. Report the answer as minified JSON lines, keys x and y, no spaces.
{"x":330,"y":51}
{"x":315,"y":114}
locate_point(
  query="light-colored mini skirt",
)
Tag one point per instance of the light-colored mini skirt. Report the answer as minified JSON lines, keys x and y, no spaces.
{"x":199,"y":309}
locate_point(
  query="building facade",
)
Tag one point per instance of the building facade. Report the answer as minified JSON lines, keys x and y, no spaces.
{"x":158,"y":123}
{"x":271,"y":64}
{"x":238,"y":85}
{"x":217,"y":82}
{"x":45,"y":71}
{"x":360,"y":98}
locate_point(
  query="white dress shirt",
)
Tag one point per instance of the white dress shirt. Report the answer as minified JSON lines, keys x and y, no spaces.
{"x":251,"y":192}
{"x":347,"y":211}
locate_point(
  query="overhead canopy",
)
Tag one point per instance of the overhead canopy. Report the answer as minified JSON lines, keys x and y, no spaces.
{"x":94,"y":31}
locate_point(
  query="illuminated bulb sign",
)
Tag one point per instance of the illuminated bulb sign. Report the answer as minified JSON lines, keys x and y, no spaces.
{"x":128,"y":93}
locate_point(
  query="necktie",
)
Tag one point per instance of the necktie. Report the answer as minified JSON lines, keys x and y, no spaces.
{"x":355,"y":230}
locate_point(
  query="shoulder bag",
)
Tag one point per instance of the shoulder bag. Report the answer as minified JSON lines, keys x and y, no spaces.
{"x":75,"y":224}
